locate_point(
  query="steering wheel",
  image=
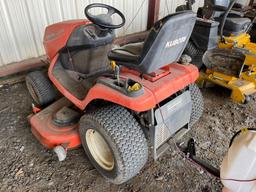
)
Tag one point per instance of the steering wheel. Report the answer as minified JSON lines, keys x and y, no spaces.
{"x":104,"y":20}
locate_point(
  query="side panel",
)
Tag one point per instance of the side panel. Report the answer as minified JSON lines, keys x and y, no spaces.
{"x":57,"y":35}
{"x":170,"y":118}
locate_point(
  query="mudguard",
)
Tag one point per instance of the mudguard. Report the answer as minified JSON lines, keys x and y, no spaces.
{"x":178,"y":77}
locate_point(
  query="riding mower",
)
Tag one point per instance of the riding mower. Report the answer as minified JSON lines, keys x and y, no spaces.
{"x":229,"y":59}
{"x":115,"y":102}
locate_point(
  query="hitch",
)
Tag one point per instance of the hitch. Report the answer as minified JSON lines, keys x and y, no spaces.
{"x":190,"y":153}
{"x":116,"y":70}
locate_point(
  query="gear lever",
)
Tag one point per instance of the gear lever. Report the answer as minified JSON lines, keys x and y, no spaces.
{"x":116,"y":70}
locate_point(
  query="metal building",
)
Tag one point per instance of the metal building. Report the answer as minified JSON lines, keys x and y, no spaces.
{"x":23,"y":21}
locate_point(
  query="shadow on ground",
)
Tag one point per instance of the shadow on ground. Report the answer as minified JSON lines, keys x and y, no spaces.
{"x":27,"y":166}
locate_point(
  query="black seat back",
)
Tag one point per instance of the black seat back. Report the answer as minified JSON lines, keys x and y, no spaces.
{"x":224,"y":3}
{"x":166,"y":41}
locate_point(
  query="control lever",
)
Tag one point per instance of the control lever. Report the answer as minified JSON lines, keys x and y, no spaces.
{"x":116,"y":70}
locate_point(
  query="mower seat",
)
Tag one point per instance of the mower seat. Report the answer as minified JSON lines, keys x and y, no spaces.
{"x":235,"y":25}
{"x":129,"y":52}
{"x":234,"y":13}
{"x":164,"y":45}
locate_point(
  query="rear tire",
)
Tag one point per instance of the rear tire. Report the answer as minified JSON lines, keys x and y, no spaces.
{"x":197,"y":104}
{"x":124,"y":148}
{"x":40,"y":88}
{"x":195,"y":54}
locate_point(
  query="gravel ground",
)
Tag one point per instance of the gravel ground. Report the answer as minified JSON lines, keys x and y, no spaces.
{"x":27,"y":166}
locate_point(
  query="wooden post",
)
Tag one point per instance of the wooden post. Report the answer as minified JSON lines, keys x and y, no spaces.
{"x":153,"y":12}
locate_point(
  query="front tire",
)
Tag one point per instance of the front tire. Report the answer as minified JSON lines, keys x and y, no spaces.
{"x":114,"y":142}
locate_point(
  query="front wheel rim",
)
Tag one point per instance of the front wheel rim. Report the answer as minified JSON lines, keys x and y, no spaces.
{"x":99,"y":149}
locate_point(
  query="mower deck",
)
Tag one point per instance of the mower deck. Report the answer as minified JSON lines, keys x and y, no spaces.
{"x":240,"y":87}
{"x":242,"y":84}
{"x":49,"y":133}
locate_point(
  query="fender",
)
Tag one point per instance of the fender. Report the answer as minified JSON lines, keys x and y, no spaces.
{"x":179,"y":77}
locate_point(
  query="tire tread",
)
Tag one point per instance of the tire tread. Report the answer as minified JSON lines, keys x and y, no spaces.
{"x":45,"y":92}
{"x":127,"y":135}
{"x":197,"y":103}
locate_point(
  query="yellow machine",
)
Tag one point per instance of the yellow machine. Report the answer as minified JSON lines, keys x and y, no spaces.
{"x":242,"y":83}
{"x":221,"y":48}
{"x":229,"y":59}
{"x":240,"y":41}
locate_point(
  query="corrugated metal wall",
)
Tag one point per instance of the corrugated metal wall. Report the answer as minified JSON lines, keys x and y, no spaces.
{"x":23,"y":21}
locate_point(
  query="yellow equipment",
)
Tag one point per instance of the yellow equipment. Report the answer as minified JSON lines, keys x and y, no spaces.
{"x":233,"y":63}
{"x":242,"y":84}
{"x":230,"y":60}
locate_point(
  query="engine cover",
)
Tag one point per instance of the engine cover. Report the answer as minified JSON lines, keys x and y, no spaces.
{"x":170,"y":118}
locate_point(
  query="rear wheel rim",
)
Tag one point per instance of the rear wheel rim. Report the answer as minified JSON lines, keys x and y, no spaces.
{"x":99,"y":149}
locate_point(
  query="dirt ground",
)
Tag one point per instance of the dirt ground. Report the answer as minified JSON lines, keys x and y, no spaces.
{"x":27,"y":166}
